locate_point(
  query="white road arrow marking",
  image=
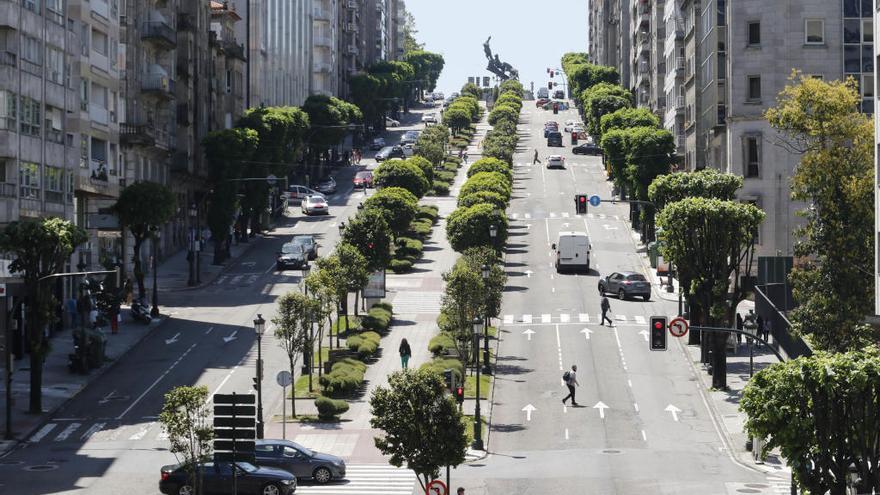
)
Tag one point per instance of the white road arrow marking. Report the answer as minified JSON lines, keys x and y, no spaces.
{"x":674,"y":410}
{"x":529,"y":273}
{"x":566,"y":224}
{"x":248,"y":263}
{"x":644,"y":333}
{"x":586,"y":333}
{"x":601,"y":407}
{"x":528,"y":333}
{"x":229,"y":338}
{"x":172,"y":339}
{"x":608,"y":227}
{"x":528,"y":409}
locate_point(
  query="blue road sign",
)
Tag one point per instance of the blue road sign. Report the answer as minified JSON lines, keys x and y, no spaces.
{"x":594,"y":200}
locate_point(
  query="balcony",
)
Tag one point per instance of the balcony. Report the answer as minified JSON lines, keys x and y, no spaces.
{"x":644,"y":14}
{"x":321,"y":15}
{"x":350,"y":27}
{"x":233,"y":49}
{"x":159,"y":85}
{"x":159,"y":32}
{"x":322,"y":40}
{"x":352,"y":49}
{"x":351,"y":4}
{"x":679,"y":64}
{"x":136,"y":135}
{"x":8,"y":58}
{"x":321,"y":67}
{"x":679,"y":102}
{"x":681,"y":141}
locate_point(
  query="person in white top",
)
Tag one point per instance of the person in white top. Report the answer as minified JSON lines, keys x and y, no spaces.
{"x":571,"y":382}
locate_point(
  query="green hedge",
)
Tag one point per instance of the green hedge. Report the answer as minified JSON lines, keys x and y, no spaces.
{"x":330,"y":408}
{"x":478,"y":197}
{"x":454,"y":159}
{"x":384,"y":305}
{"x":487,"y":181}
{"x":440,"y":188}
{"x":408,"y":248}
{"x":441,"y":344}
{"x":377,"y":319}
{"x":438,"y":365}
{"x":366,"y":344}
{"x":344,"y":378}
{"x":401,"y":266}
{"x":421,"y":228}
{"x":445,"y":176}
{"x":451,"y":166}
{"x":428,"y":212}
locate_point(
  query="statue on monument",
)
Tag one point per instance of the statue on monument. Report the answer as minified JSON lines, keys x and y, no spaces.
{"x":501,"y":69}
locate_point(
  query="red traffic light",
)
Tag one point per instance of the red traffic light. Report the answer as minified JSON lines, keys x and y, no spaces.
{"x":658,"y":325}
{"x":369,"y":245}
{"x":583,"y":199}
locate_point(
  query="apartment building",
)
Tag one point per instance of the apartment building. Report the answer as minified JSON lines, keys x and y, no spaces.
{"x":876,"y":35}
{"x":395,"y":28}
{"x":673,"y":82}
{"x":325,"y":44}
{"x":647,"y":65}
{"x":348,"y":44}
{"x":39,"y":143}
{"x":373,"y":46}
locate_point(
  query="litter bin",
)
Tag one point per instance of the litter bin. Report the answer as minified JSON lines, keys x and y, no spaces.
{"x":653,"y":253}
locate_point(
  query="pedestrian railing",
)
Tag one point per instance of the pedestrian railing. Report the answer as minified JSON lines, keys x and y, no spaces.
{"x":780,"y":328}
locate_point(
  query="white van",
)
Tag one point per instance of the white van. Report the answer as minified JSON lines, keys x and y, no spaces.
{"x":573,"y":251}
{"x":543,"y":92}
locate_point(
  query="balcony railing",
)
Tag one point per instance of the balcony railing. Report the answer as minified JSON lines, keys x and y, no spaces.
{"x":321,"y":15}
{"x":160,"y":32}
{"x":8,"y":58}
{"x":137,"y":134}
{"x":234,"y":50}
{"x":8,"y":190}
{"x":158,"y":84}
{"x":679,"y":102}
{"x":679,"y":63}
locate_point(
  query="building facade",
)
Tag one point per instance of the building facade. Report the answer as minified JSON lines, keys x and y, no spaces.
{"x":325,"y":43}
{"x":373,"y":43}
{"x":348,"y":44}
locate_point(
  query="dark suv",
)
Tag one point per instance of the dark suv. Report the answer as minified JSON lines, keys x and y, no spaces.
{"x":554,"y":138}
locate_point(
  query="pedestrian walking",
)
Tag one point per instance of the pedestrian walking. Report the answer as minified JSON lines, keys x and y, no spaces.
{"x":465,"y":157}
{"x":739,"y":326}
{"x":460,"y":491}
{"x":405,"y":353}
{"x":768,"y":326}
{"x":606,"y":307}
{"x":461,"y":154}
{"x":760,"y":322}
{"x":535,"y":159}
{"x":72,"y":312}
{"x":570,"y":380}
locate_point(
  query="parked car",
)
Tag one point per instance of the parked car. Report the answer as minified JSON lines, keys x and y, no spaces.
{"x":291,"y":256}
{"x":409,"y":149}
{"x":409,"y":137}
{"x":626,"y":285}
{"x":297,"y":193}
{"x":314,"y":205}
{"x":326,"y":185}
{"x":301,"y":462}
{"x":540,"y":102}
{"x":389,"y":152}
{"x":389,"y":122}
{"x":217,"y":479}
{"x":573,"y":126}
{"x":548,"y":128}
{"x":555,"y":161}
{"x":309,"y":243}
{"x":429,"y":118}
{"x":377,"y":144}
{"x":364,"y":178}
{"x":587,"y":149}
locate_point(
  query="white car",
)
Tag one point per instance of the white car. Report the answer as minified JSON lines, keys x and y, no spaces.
{"x":297,"y":193}
{"x":429,"y":118}
{"x":555,"y":161}
{"x":389,"y":122}
{"x":568,"y":124}
{"x":315,"y":205}
{"x":409,"y":149}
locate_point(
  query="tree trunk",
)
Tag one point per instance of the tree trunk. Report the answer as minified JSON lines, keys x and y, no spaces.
{"x":719,"y":361}
{"x":292,"y":388}
{"x":330,"y":326}
{"x":356,"y":293}
{"x":345,"y":311}
{"x":137,"y":267}
{"x":34,"y":331}
{"x":219,"y":253}
{"x":694,"y":313}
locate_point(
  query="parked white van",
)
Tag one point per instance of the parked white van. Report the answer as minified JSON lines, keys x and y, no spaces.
{"x":573,"y":251}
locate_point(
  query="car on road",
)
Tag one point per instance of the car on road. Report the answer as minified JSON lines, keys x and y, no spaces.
{"x":297,"y":193}
{"x":409,"y":149}
{"x":625,"y":285}
{"x":364,"y":178}
{"x":543,"y":92}
{"x":587,"y":149}
{"x":309,"y":244}
{"x":561,"y":105}
{"x":389,"y":152}
{"x":573,"y":126}
{"x":429,"y":118}
{"x":559,"y":94}
{"x":555,"y":161}
{"x":540,"y":102}
{"x":326,"y":185}
{"x":550,"y":127}
{"x":216,"y":478}
{"x":314,"y":205}
{"x":377,"y":144}
{"x":554,"y":138}
{"x":292,"y":255}
{"x":573,"y":249}
{"x":301,"y":462}
{"x":409,"y":137}
{"x":389,"y":122}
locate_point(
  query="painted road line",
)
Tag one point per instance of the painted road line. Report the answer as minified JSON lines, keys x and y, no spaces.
{"x":91,"y":431}
{"x":564,"y":214}
{"x":72,"y":427}
{"x":583,"y":318}
{"x":620,"y":317}
{"x":644,"y":436}
{"x":563,"y":318}
{"x":547,"y":229}
{"x":145,"y":392}
{"x":559,"y":348}
{"x":640,"y":319}
{"x":45,"y":430}
{"x":552,"y":215}
{"x":527,"y":215}
{"x":508,"y":319}
{"x":513,"y":216}
{"x":526,"y":318}
{"x":142,"y":432}
{"x":545,"y":318}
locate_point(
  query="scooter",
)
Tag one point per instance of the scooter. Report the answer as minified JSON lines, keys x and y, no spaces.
{"x":141,"y":311}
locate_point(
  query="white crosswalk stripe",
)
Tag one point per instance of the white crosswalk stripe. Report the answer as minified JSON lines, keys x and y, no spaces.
{"x":583,"y":317}
{"x":639,"y":319}
{"x":513,"y":216}
{"x":91,"y":431}
{"x":45,"y":430}
{"x":416,"y":302}
{"x":620,"y":317}
{"x":566,"y":318}
{"x":508,"y":319}
{"x":72,"y":427}
{"x":366,"y":479}
{"x":563,"y":318}
{"x":552,"y":214}
{"x":564,"y":214}
{"x":526,"y":318}
{"x":545,"y":318}
{"x":527,"y":215}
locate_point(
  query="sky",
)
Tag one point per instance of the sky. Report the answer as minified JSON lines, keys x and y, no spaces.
{"x":529,"y":35}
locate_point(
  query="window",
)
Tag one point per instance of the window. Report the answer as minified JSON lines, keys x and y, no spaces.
{"x":851,"y":8}
{"x":54,"y":183}
{"x":754,"y":88}
{"x":83,"y":151}
{"x":55,"y":65}
{"x":31,"y":49}
{"x":29,"y":180}
{"x":754,"y":33}
{"x":722,"y":12}
{"x":8,"y":113}
{"x":30,"y":117}
{"x":818,"y":76}
{"x":815,"y":31}
{"x":99,"y":42}
{"x":32,"y":5}
{"x":868,"y":31}
{"x":228,"y":81}
{"x":867,"y":58}
{"x":867,"y":86}
{"x":752,"y":156}
{"x":852,"y":59}
{"x":852,"y":30}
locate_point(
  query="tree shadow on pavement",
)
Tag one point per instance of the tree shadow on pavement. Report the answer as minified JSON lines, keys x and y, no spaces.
{"x":507,"y":427}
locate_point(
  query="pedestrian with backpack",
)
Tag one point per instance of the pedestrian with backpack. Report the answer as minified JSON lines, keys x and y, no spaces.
{"x":405,"y":353}
{"x":570,"y":379}
{"x":606,"y":307}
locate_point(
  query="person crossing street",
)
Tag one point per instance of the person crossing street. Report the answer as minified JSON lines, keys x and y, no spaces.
{"x":606,"y":307}
{"x":535,"y":159}
{"x":570,"y":380}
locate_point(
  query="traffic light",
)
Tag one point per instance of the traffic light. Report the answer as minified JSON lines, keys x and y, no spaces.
{"x":551,"y":73}
{"x":550,"y":85}
{"x":449,"y":378}
{"x":459,"y":394}
{"x":580,"y":202}
{"x":256,"y":383}
{"x":658,"y":333}
{"x":370,"y":246}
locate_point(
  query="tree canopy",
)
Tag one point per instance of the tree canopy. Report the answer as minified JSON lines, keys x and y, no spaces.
{"x":603,"y":99}
{"x":370,"y":234}
{"x":397,"y":205}
{"x":706,"y":183}
{"x":626,"y":118}
{"x":401,"y":173}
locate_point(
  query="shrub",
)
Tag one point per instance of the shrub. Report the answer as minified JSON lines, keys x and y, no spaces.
{"x":454,"y":159}
{"x":421,"y":228}
{"x":460,"y":143}
{"x":377,"y":319}
{"x":424,"y":165}
{"x":397,"y":205}
{"x":384,"y":305}
{"x":438,"y":365}
{"x":401,"y":266}
{"x":345,"y":377}
{"x":400,"y":173}
{"x":478,"y":197}
{"x":428,"y":212}
{"x":445,"y":176}
{"x":469,"y":227}
{"x":407,"y":247}
{"x":440,"y":188}
{"x":441,"y":343}
{"x":451,"y":166}
{"x":487,"y":181}
{"x":365,"y":344}
{"x":490,"y":165}
{"x":503,"y":112}
{"x":330,"y":408}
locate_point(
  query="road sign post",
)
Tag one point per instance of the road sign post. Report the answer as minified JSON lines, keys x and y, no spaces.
{"x":678,"y":327}
{"x":595,"y":200}
{"x":284,"y":379}
{"x":436,"y":487}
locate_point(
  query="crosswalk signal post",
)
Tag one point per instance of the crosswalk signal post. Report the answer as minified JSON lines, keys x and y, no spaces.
{"x":658,"y":333}
{"x":580,"y":202}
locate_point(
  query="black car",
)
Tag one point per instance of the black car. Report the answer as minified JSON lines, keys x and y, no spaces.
{"x":587,"y":149}
{"x":216,"y":479}
{"x":390,"y":152}
{"x":302,"y":462}
{"x":554,"y":138}
{"x":326,"y":185}
{"x":309,"y":244}
{"x":292,"y":255}
{"x":625,"y":285}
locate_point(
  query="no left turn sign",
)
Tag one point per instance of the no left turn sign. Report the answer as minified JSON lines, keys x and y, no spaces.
{"x":436,"y":487}
{"x":678,"y":327}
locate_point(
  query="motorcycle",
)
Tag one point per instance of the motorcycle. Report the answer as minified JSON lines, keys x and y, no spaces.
{"x":140,"y":311}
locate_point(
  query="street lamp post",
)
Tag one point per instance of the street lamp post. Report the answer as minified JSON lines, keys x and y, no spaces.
{"x":154,"y":311}
{"x":259,"y":329}
{"x":486,"y":368}
{"x":191,"y":256}
{"x":478,"y":420}
{"x":342,"y":304}
{"x":307,"y":351}
{"x":493,"y":233}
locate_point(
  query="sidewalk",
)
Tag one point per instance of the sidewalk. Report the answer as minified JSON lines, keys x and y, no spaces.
{"x":59,"y":384}
{"x":174,"y":270}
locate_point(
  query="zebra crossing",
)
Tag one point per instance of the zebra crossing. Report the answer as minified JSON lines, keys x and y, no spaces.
{"x":233,"y":280}
{"x":416,"y":302}
{"x":567,"y":164}
{"x":562,"y":215}
{"x":547,"y":318}
{"x":365,"y":479}
{"x":98,"y":431}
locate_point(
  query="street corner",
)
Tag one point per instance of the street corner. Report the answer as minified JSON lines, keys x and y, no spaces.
{"x":473,"y":455}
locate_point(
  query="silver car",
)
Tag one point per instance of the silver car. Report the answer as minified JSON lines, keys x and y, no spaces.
{"x":626,"y":285}
{"x":299,"y":461}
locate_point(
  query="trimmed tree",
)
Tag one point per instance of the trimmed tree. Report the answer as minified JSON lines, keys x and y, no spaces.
{"x":503,"y":112}
{"x":370,"y":234}
{"x":293,"y":330}
{"x":650,"y":153}
{"x":490,"y":197}
{"x":472,"y":89}
{"x":412,"y":408}
{"x":424,"y":165}
{"x":712,"y":242}
{"x":627,"y":118}
{"x":456,"y":118}
{"x":40,"y":249}
{"x":603,"y":99}
{"x":490,"y":165}
{"x":142,"y":207}
{"x":186,"y":417}
{"x":469,"y":227}
{"x":487,"y":181}
{"x":397,"y":205}
{"x":400,"y":173}
{"x":463,"y":300}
